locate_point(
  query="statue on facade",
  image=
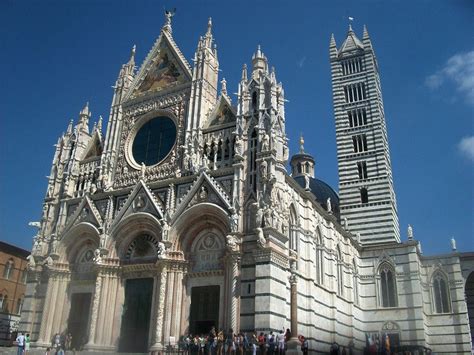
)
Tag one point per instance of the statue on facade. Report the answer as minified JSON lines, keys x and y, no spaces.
{"x":263,"y":169}
{"x":453,"y":244}
{"x":161,"y":251}
{"x":328,"y":205}
{"x":265,"y":142}
{"x":142,"y":171}
{"x":238,"y":146}
{"x":260,"y":236}
{"x":231,"y":243}
{"x":31,"y":262}
{"x":410,"y":232}
{"x":97,"y":256}
{"x":306,"y":182}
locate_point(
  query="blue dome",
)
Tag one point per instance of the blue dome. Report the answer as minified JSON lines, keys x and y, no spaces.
{"x":322,"y":192}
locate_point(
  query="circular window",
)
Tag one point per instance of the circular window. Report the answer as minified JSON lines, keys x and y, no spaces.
{"x":154,"y":140}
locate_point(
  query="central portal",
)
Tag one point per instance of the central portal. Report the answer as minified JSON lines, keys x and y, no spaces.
{"x":204,"y":309}
{"x":136,"y":315}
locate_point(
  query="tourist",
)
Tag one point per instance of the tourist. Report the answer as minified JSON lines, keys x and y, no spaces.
{"x":271,"y":344}
{"x":27,"y":343}
{"x":48,"y":351}
{"x":229,"y":341}
{"x":261,"y":343}
{"x":334,"y":349}
{"x":304,"y":345}
{"x":220,"y":342}
{"x":253,"y":343}
{"x":20,"y":342}
{"x":60,"y":351}
{"x":281,"y":342}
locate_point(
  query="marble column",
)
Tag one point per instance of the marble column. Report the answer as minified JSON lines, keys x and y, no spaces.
{"x":55,"y":306}
{"x":232,"y":278}
{"x":293,"y":344}
{"x":95,"y":311}
{"x":160,"y":308}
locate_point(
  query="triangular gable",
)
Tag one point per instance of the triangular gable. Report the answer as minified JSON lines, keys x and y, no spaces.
{"x":85,"y":212}
{"x":222,"y":114}
{"x":141,"y":199}
{"x":94,"y":147}
{"x":351,"y":43}
{"x":204,"y":189}
{"x":164,"y":67}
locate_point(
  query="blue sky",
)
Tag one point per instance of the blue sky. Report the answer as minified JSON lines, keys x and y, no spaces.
{"x":56,"y":55}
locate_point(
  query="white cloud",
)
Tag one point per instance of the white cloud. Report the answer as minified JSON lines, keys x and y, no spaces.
{"x":459,"y":70}
{"x":466,"y":147}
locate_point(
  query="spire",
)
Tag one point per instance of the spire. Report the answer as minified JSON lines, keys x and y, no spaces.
{"x":351,"y":42}
{"x":69,"y":127}
{"x":332,"y":47}
{"x":132,"y":55}
{"x":99,"y":124}
{"x":244,"y":72}
{"x":209,"y":27}
{"x":259,"y":62}
{"x":84,"y":116}
{"x":366,"y":39}
{"x":224,"y":87}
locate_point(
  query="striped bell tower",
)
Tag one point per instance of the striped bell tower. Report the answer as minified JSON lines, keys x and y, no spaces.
{"x":367,"y":196}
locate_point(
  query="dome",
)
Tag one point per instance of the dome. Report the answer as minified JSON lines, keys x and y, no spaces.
{"x":322,"y":192}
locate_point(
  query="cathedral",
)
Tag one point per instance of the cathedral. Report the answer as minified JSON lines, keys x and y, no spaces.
{"x":188,"y":212}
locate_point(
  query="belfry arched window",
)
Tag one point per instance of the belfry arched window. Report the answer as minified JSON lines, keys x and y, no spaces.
{"x":8,"y":271}
{"x":440,"y":293}
{"x":254,"y":101}
{"x":388,"y":289}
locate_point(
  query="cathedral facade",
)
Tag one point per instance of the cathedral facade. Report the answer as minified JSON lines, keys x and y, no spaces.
{"x":184,"y":216}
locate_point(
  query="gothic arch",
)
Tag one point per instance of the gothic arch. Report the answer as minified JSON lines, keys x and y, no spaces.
{"x":441,"y":299}
{"x":194,"y":221}
{"x":129,"y":228}
{"x":387,"y":283}
{"x":74,"y":241}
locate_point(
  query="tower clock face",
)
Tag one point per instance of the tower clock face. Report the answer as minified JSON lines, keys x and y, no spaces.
{"x":154,"y":140}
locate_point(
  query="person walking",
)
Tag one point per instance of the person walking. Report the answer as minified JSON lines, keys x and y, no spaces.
{"x":20,"y":342}
{"x":27,"y":343}
{"x":304,"y":345}
{"x":281,"y":342}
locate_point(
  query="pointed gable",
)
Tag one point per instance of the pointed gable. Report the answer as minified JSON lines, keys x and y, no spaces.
{"x":351,"y":43}
{"x":94,"y":147}
{"x":85,"y":212}
{"x":204,"y":189}
{"x":164,"y":67}
{"x":141,"y":199}
{"x":222,"y":115}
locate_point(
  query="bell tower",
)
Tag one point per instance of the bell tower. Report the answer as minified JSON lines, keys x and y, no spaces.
{"x":367,"y":196}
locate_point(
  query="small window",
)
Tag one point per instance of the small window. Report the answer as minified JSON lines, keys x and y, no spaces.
{"x":24,"y":275}
{"x":440,"y":291}
{"x":1,"y":301}
{"x":5,"y":304}
{"x":8,"y":271}
{"x":19,"y":306}
{"x":364,"y":196}
{"x":249,"y":287}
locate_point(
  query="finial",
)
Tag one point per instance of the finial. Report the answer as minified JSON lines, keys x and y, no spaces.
{"x":453,"y":244}
{"x":209,"y":25}
{"x":259,"y":52}
{"x":410,"y":232}
{"x":69,"y":127}
{"x":350,"y":23}
{"x":133,"y":51}
{"x":301,"y":143}
{"x":168,"y":16}
{"x":244,"y":72}
{"x":99,"y":124}
{"x":224,"y":87}
{"x":85,"y":111}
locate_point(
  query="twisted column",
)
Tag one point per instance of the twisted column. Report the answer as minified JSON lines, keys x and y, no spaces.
{"x":95,"y":309}
{"x":233,"y":278}
{"x":160,"y":309}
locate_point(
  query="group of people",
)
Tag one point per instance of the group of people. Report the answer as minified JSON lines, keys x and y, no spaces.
{"x":23,"y":343}
{"x":240,"y":343}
